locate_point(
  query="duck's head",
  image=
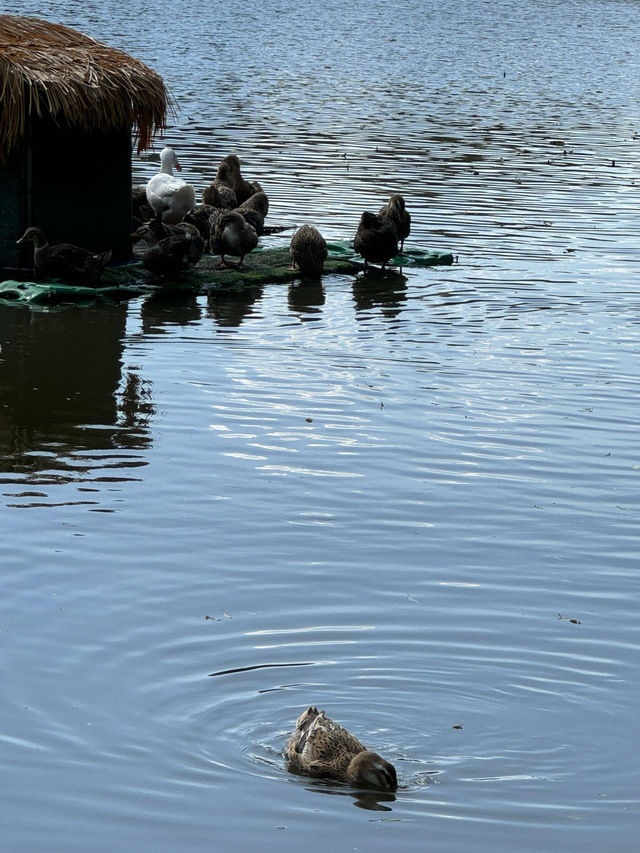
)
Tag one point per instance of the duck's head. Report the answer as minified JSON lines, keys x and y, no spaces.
{"x":368,"y":770}
{"x":233,"y":162}
{"x":146,"y":233}
{"x":396,"y":203}
{"x":169,"y":160}
{"x":33,"y":235}
{"x":224,"y":173}
{"x":369,"y":220}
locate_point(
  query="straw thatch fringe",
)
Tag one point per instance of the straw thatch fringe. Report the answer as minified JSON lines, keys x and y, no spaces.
{"x":47,"y":69}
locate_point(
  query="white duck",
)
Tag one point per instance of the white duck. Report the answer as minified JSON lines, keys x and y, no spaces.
{"x":170,"y":197}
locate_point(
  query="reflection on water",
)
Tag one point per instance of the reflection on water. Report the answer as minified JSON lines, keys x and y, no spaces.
{"x":230,"y":306}
{"x":66,"y":398}
{"x":370,"y":800}
{"x":373,"y":493}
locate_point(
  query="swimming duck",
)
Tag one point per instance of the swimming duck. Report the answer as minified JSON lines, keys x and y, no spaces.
{"x":255,"y":209}
{"x":319,"y":747}
{"x":376,"y":239}
{"x":170,"y":197}
{"x":233,"y":235}
{"x":72,"y":264}
{"x":220,"y":193}
{"x":396,"y":212}
{"x":308,"y":251}
{"x":168,"y":257}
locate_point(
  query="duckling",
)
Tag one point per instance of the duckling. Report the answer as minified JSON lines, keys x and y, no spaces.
{"x":308,"y":251}
{"x":170,"y":197}
{"x":320,"y":747}
{"x":233,"y":235}
{"x":243,"y":189}
{"x":254,"y":210}
{"x":396,"y":212}
{"x":376,"y":239}
{"x":220,"y":193}
{"x":72,"y":264}
{"x":167,"y":258}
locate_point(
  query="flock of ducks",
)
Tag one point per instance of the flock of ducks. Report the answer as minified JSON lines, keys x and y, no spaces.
{"x":228,"y":222}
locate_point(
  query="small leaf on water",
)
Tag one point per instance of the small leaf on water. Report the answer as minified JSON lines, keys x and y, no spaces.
{"x":309,"y":420}
{"x":458,"y":726}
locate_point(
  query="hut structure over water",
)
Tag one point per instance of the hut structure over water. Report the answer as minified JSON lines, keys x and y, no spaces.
{"x":70,"y":110}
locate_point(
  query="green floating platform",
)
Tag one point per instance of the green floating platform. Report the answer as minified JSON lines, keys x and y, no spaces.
{"x":263,"y":266}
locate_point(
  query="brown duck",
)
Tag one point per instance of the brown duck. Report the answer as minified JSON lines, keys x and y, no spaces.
{"x":308,"y":251}
{"x":396,"y":212}
{"x":220,"y":193}
{"x":376,"y":239}
{"x":69,"y":263}
{"x":319,"y":747}
{"x":254,"y":210}
{"x":243,"y":189}
{"x":233,"y":235}
{"x":167,"y":258}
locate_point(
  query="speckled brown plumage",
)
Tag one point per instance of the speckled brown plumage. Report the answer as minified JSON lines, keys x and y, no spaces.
{"x":233,"y":235}
{"x":322,"y":748}
{"x":243,"y":189}
{"x":308,"y":250}
{"x":220,"y":193}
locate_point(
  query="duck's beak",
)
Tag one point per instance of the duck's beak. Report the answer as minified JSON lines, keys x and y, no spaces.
{"x":177,"y":165}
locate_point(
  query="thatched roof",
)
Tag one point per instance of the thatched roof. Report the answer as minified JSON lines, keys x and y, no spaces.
{"x":47,"y":69}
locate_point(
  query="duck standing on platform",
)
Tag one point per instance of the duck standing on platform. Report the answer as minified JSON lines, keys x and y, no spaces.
{"x":233,"y":235}
{"x":71,"y":264}
{"x":166,"y":259}
{"x":170,"y":197}
{"x":308,"y":251}
{"x":396,"y":212}
{"x":376,"y":239}
{"x":319,"y":747}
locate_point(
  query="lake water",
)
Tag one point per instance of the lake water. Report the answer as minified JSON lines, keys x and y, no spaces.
{"x":410,"y":499}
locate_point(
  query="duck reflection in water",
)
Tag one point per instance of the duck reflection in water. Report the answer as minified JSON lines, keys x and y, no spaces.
{"x":371,"y":800}
{"x":377,"y":289}
{"x":306,"y":296}
{"x":169,"y":308}
{"x":229,"y":306}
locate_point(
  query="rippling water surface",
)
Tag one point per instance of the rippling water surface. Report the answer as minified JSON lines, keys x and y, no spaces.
{"x":410,"y":498}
